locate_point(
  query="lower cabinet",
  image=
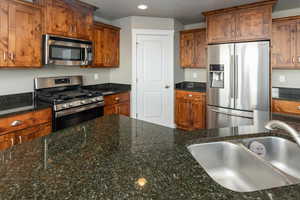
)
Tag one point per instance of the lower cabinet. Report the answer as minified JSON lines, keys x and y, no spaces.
{"x":190,"y":110}
{"x":286,"y":107}
{"x":118,"y":104}
{"x":24,"y":127}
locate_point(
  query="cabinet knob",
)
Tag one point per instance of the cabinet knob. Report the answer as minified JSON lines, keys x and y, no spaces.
{"x":190,"y":95}
{"x":298,"y":107}
{"x":117,"y":98}
{"x":16,"y":123}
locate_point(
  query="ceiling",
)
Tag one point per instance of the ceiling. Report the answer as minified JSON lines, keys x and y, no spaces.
{"x":186,"y":11}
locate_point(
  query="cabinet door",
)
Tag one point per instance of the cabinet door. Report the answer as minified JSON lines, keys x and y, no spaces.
{"x":59,"y":18}
{"x":254,"y":23}
{"x":200,"y":55}
{"x":110,"y":110}
{"x":297,"y":59}
{"x":283,"y":44}
{"x":183,"y":113}
{"x":111,"y":47}
{"x":83,"y":22}
{"x":187,"y":49}
{"x":124,"y":109}
{"x":6,"y":141}
{"x":3,"y":33}
{"x":25,"y":34}
{"x":198,"y":114}
{"x":221,"y":28}
{"x":98,"y":46}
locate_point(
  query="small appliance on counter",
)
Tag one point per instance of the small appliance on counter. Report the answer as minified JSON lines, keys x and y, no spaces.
{"x":67,"y":51}
{"x":71,"y":104}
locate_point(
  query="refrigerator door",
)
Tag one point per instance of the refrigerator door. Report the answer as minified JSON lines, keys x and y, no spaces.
{"x":252,"y":81}
{"x":222,"y":118}
{"x":221,"y":95}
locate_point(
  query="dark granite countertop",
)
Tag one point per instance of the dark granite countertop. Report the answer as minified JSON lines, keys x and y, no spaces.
{"x":191,"y":86}
{"x":18,"y":104}
{"x":116,"y":157}
{"x":288,"y":94}
{"x":109,"y":88}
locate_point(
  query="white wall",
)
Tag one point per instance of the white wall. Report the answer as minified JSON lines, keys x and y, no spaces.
{"x":14,"y":81}
{"x":123,"y":74}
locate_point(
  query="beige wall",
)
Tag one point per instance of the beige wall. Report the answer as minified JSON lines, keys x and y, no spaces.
{"x":21,"y":80}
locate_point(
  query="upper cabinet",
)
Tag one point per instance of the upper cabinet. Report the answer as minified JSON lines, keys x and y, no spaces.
{"x":20,"y":33}
{"x":193,"y":48}
{"x":242,"y":23}
{"x":285,"y":43}
{"x":69,"y":18}
{"x":106,"y":40}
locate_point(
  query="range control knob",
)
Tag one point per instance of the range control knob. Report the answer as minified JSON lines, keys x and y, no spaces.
{"x":94,"y":100}
{"x":98,"y":98}
{"x":65,"y":105}
{"x":83,"y":102}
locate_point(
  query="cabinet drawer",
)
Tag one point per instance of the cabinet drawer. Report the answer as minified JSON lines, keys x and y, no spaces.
{"x":23,"y":121}
{"x":190,"y":95}
{"x":286,"y":107}
{"x":31,"y":133}
{"x":116,"y":98}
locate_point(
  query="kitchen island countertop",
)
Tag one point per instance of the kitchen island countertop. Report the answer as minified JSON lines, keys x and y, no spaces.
{"x":116,"y":157}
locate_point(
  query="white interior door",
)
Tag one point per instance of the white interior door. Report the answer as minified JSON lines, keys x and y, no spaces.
{"x":155,"y":79}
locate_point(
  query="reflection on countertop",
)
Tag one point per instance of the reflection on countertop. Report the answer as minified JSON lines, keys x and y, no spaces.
{"x":115,"y":157}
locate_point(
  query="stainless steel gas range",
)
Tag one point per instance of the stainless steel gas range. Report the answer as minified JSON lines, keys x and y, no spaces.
{"x":70,"y":102}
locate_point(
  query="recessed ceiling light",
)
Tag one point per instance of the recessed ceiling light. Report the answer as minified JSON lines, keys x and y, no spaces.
{"x":142,"y":7}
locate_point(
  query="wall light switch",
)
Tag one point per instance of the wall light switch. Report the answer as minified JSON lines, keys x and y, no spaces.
{"x":96,"y":76}
{"x":282,"y":79}
{"x":195,"y":75}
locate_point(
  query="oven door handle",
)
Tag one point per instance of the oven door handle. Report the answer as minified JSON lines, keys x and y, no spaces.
{"x":78,"y":109}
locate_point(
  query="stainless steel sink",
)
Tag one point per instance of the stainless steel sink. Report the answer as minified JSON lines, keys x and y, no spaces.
{"x":236,"y":168}
{"x":281,"y":153}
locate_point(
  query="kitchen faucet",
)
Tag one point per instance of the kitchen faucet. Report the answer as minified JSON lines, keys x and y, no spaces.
{"x":281,"y":125}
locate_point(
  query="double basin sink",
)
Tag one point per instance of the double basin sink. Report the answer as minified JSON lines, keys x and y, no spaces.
{"x":249,"y":165}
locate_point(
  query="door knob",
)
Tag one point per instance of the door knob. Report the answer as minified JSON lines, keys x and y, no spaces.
{"x":167,"y":86}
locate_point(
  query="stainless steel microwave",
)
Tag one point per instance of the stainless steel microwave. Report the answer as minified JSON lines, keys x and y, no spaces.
{"x":67,"y":51}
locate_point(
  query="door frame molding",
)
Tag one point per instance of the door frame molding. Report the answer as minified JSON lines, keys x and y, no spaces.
{"x":135,"y":34}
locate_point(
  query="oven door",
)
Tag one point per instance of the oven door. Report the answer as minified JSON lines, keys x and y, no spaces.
{"x":70,"y":117}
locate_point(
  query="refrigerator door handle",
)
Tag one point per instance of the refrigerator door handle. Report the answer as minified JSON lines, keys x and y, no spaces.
{"x":236,"y":77}
{"x":234,"y":115}
{"x":232,"y":75}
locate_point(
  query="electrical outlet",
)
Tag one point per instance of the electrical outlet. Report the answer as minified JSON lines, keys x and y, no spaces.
{"x":195,"y":75}
{"x":282,"y":79}
{"x":96,"y":76}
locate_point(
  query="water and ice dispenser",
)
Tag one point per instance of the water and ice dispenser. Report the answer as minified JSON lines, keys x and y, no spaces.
{"x":216,"y":76}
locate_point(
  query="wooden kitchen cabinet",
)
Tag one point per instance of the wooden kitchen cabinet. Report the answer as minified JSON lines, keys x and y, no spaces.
{"x":193,"y":48}
{"x":24,"y":127}
{"x":249,"y":22}
{"x":285,"y":41}
{"x":106,"y":40}
{"x":21,"y":33}
{"x":221,"y":28}
{"x":118,"y":104}
{"x":286,"y":107}
{"x":190,"y":110}
{"x":69,"y":18}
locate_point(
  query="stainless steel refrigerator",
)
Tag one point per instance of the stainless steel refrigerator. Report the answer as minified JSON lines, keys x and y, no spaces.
{"x":238,"y":83}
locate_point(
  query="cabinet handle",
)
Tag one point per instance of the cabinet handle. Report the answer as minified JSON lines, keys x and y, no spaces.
{"x":4,"y":56}
{"x":12,"y":141}
{"x":293,"y":60}
{"x":20,"y":139}
{"x":298,"y":107}
{"x":299,"y":59}
{"x":12,"y":56}
{"x":16,"y":123}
